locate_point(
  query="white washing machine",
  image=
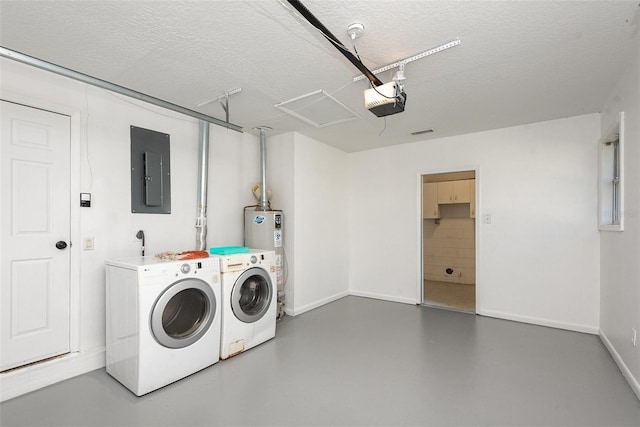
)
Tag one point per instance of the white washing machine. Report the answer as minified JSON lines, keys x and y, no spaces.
{"x":163,"y":320}
{"x":249,"y":301}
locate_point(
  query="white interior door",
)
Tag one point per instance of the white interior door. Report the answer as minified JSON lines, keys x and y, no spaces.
{"x":34,"y":218}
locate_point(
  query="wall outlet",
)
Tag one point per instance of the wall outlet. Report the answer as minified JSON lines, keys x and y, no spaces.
{"x":486,"y":219}
{"x":633,"y":336}
{"x":87,"y":243}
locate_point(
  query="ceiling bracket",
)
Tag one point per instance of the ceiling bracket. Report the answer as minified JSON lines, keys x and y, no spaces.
{"x":415,"y":57}
{"x":225,"y":106}
{"x":224,"y":100}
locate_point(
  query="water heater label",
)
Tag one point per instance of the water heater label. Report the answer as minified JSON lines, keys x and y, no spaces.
{"x":277,"y":238}
{"x":258,"y":219}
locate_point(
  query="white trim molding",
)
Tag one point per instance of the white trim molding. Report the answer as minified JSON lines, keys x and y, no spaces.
{"x":633,"y":382}
{"x":587,"y":329}
{"x":308,"y":307}
{"x":384,"y":297}
{"x":33,"y":377}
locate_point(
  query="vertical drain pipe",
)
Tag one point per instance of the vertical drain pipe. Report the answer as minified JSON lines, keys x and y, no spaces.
{"x":203,"y":176}
{"x":264,"y":203}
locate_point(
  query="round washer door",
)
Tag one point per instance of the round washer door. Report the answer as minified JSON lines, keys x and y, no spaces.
{"x":251,"y":295}
{"x":183,"y":313}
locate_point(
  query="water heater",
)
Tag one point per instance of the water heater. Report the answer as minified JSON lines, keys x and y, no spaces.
{"x":263,"y":230}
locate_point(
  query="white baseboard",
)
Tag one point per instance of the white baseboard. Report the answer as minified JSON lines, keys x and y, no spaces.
{"x":633,"y":382}
{"x":33,"y":377}
{"x":540,"y":321}
{"x":299,"y":310}
{"x":384,"y":297}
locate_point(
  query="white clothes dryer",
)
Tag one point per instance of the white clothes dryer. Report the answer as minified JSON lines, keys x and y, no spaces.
{"x":163,"y":320}
{"x":249,"y":301}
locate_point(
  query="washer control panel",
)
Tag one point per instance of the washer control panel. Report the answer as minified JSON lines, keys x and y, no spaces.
{"x":240,"y":262}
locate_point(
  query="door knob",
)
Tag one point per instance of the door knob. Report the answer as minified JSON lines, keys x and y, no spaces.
{"x":61,"y":244}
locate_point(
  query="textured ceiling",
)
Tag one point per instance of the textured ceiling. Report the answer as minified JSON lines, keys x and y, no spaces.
{"x":519,"y":61}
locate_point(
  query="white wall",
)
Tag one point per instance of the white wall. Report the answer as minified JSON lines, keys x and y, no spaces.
{"x":280,"y":180}
{"x":314,"y":177}
{"x":101,"y":166}
{"x":538,"y":260}
{"x":322,"y":226}
{"x":620,"y":270}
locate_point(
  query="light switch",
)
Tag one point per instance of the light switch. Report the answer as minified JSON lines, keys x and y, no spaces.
{"x":87,"y":244}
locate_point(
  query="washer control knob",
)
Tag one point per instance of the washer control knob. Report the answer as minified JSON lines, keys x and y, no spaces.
{"x":185,"y":268}
{"x":254,"y":259}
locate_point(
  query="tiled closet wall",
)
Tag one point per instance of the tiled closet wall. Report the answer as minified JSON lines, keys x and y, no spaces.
{"x":450,"y":245}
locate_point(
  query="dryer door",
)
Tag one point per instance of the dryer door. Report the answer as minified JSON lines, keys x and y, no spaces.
{"x":251,"y":295}
{"x":183,"y":313}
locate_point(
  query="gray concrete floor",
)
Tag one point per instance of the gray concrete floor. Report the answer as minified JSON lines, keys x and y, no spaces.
{"x":365,"y":362}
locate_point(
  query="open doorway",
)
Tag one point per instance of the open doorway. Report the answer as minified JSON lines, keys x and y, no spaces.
{"x":449,"y":240}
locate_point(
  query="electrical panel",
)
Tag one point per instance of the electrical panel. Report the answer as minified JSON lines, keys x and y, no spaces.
{"x":150,"y":171}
